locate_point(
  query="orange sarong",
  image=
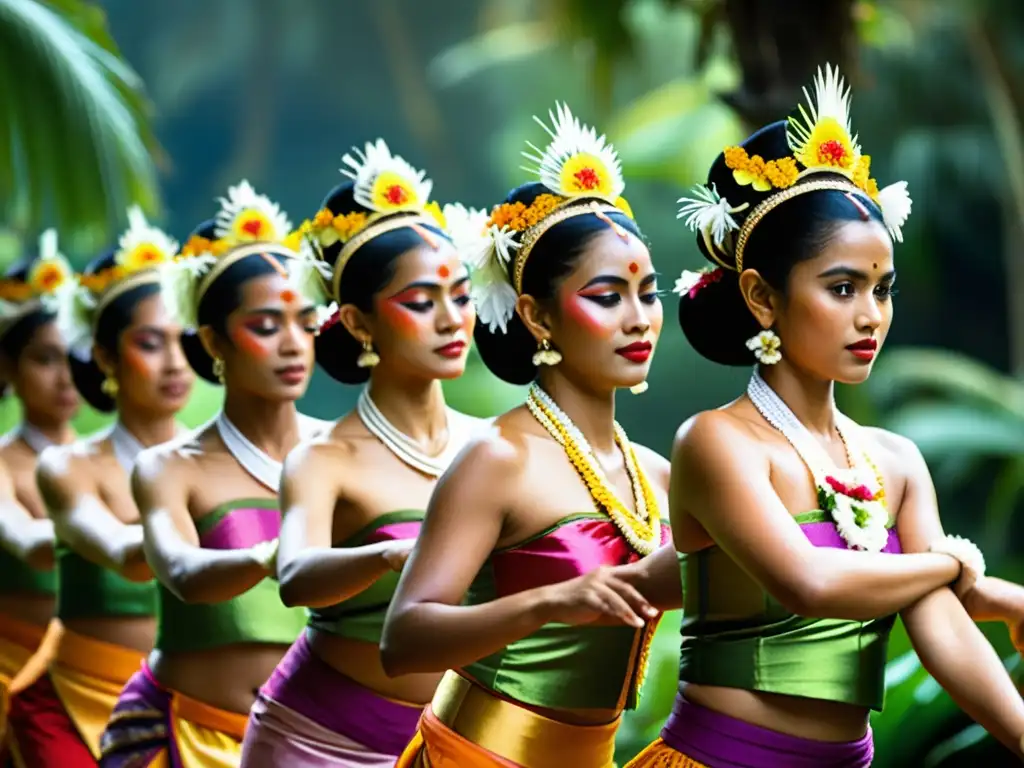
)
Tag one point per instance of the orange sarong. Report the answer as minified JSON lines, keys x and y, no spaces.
{"x":25,"y":652}
{"x":467,"y":726}
{"x":658,"y":754}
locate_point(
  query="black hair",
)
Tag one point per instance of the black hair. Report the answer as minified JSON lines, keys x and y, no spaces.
{"x":222,"y":297}
{"x":113,"y":319}
{"x":509,"y":355}
{"x":20,"y":332}
{"x":716,"y":320}
{"x":371,"y":267}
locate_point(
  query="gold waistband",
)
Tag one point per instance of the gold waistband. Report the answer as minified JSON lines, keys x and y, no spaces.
{"x":102,"y":660}
{"x":518,"y":734}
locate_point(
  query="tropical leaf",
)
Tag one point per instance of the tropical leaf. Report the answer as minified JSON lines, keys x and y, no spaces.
{"x":75,"y":146}
{"x":909,"y":372}
{"x":941,"y":429}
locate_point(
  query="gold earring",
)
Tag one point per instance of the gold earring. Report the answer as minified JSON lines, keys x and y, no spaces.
{"x":367,"y":358}
{"x":545,"y":355}
{"x":218,"y":369}
{"x":109,"y":387}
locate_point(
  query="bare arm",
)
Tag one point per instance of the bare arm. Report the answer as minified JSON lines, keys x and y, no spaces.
{"x":428,"y":630}
{"x":81,"y":519}
{"x":723,"y":479}
{"x":191,"y":573}
{"x":945,"y":637}
{"x":310,"y":571}
{"x":28,"y":538}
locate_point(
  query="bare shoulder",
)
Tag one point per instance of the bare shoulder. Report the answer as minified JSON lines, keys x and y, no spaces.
{"x":720,"y":430}
{"x":654,"y":464}
{"x":320,"y":453}
{"x":898,"y":455}
{"x":493,"y":458}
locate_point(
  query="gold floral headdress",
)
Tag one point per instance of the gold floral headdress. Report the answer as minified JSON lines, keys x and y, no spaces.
{"x":246,"y":224}
{"x":49,"y":276}
{"x":386,"y":185}
{"x":822,"y":142}
{"x":140,"y":250}
{"x":582,"y":174}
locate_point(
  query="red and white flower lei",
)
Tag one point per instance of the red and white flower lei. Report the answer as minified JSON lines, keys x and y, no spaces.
{"x":858,"y":511}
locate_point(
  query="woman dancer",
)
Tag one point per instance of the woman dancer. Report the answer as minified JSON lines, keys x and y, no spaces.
{"x":804,"y":242}
{"x":208,"y":501}
{"x":34,"y":364}
{"x":353,"y":502}
{"x":126,"y":355}
{"x":528,"y":521}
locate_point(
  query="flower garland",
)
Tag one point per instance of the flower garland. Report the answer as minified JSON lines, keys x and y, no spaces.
{"x":763,"y":175}
{"x":859,"y":511}
{"x":642,"y":529}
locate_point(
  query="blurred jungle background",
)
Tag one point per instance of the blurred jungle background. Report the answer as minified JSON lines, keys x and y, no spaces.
{"x":197,"y":94}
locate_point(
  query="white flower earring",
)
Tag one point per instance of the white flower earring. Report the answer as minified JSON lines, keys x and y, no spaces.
{"x":546,"y":355}
{"x":766,"y":347}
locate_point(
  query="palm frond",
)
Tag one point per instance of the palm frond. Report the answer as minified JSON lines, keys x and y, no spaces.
{"x":75,"y":144}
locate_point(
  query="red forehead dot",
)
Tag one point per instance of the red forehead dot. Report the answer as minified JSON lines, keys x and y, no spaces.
{"x":287,"y":296}
{"x":443,"y":271}
{"x":634,"y":267}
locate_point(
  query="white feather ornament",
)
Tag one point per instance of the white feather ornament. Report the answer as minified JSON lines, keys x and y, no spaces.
{"x":178,"y":282}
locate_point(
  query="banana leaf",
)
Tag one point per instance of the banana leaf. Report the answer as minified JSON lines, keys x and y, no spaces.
{"x":75,"y":144}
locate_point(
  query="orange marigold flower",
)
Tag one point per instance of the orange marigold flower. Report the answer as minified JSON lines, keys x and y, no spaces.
{"x":323,"y":219}
{"x":519,"y":218}
{"x":735,"y":158}
{"x":781,"y":173}
{"x":347,"y":225}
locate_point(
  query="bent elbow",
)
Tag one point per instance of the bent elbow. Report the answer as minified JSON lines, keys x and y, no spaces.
{"x":292,"y":587}
{"x":394,"y":662}
{"x":803,"y":598}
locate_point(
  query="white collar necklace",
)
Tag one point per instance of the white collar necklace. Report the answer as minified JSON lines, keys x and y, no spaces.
{"x":254,"y":460}
{"x":460,"y":430}
{"x":34,"y":437}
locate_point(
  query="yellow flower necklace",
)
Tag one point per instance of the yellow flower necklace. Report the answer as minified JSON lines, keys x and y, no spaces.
{"x":642,"y":529}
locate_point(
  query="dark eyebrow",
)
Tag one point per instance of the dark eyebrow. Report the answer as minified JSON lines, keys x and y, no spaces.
{"x":619,"y":281}
{"x":855,"y":274}
{"x":427,"y":285}
{"x":278,"y":314}
{"x":151,"y":329}
{"x":649,"y":279}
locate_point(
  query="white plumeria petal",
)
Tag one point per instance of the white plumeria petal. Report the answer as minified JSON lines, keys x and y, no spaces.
{"x":73,"y":305}
{"x":493,"y":296}
{"x":366,"y":165}
{"x":141,"y":232}
{"x":686,"y":282}
{"x":309,"y":274}
{"x":469,"y":233}
{"x":709,"y":213}
{"x":895,"y":202}
{"x":178,"y":283}
{"x":569,"y":138}
{"x":48,"y":244}
{"x":241,"y":198}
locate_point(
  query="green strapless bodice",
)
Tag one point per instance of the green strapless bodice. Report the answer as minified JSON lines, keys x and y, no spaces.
{"x":561,"y":666}
{"x":17,"y":577}
{"x":257,"y":616}
{"x":88,"y":591}
{"x":361,"y":617}
{"x":736,"y":635}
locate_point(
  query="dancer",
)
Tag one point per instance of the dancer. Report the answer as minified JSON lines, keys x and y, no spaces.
{"x":126,"y":355}
{"x":35,"y":367}
{"x":513,"y":566}
{"x":208,"y":500}
{"x":353,"y":501}
{"x":788,"y":611}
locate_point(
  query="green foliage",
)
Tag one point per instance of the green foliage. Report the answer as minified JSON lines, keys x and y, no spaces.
{"x":74,"y":140}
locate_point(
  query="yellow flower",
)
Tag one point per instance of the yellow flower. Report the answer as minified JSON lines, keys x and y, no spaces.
{"x":519,"y":218}
{"x":252,"y":225}
{"x":143,"y":256}
{"x":583,"y":173}
{"x":47,"y":276}
{"x":294,"y":240}
{"x":348,"y":225}
{"x":323,"y":219}
{"x":392,"y":192}
{"x":434,"y":209}
{"x":829,"y":146}
{"x":623,"y":205}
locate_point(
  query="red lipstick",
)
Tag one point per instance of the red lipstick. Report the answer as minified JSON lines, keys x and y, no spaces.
{"x":292,"y":374}
{"x":864,"y":349}
{"x":637,"y":352}
{"x":453,"y":350}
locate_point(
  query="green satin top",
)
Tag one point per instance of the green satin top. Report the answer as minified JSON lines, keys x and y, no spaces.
{"x":18,"y":577}
{"x":561,"y":666}
{"x":736,"y":635}
{"x":361,"y":617}
{"x":89,"y":591}
{"x":257,"y":616}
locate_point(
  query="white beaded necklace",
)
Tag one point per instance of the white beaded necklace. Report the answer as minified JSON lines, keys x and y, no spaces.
{"x":34,"y":437}
{"x":404,"y":447}
{"x":775,"y":411}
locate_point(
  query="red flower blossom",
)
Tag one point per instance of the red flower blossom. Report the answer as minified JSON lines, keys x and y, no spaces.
{"x":857,"y":492}
{"x":706,"y":279}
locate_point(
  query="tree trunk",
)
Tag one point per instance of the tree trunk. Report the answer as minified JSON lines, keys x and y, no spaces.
{"x":779,"y":45}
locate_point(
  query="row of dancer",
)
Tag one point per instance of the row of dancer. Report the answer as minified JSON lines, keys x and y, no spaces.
{"x":478,"y":593}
